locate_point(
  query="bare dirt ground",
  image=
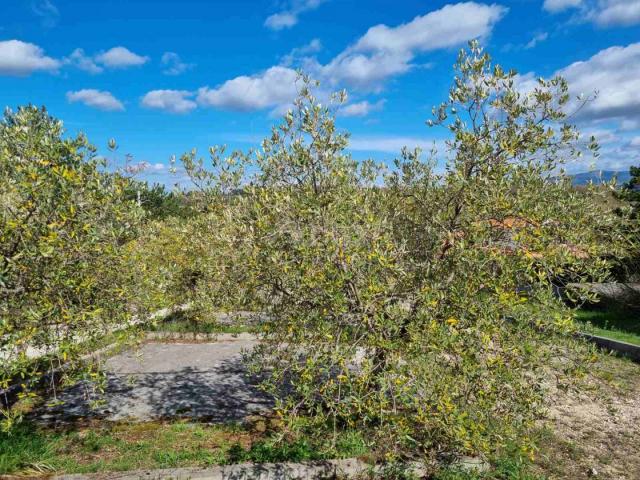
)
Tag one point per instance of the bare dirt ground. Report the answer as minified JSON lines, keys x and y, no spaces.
{"x":596,"y":433}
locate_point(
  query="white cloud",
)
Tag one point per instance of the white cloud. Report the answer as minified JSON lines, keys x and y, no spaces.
{"x":615,"y":112}
{"x":603,"y":136}
{"x":555,"y":6}
{"x":391,"y":144}
{"x":619,"y":155}
{"x":120,"y":57}
{"x":447,"y":27}
{"x":174,"y":64}
{"x":173,"y":101}
{"x":314,"y":46}
{"x":101,"y":100}
{"x":526,"y":82}
{"x":116,"y":57}
{"x":272,"y":88}
{"x":278,"y":21}
{"x":47,"y":11}
{"x":612,"y":73}
{"x":83,"y":62}
{"x":366,"y":72}
{"x":540,"y":37}
{"x":616,"y":12}
{"x":361,"y":109}
{"x":381,"y":53}
{"x":387,"y":51}
{"x":534,"y":42}
{"x":615,"y":74}
{"x":604,"y":13}
{"x":146,"y":167}
{"x":628,"y":125}
{"x":19,"y":58}
{"x":289,"y":16}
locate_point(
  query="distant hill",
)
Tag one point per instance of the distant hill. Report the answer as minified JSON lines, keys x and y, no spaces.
{"x":599,"y":176}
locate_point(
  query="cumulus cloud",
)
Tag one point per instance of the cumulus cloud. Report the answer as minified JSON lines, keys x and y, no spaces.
{"x":555,"y":6}
{"x":120,"y":57}
{"x":614,"y":113}
{"x":609,"y":80}
{"x":615,"y":74}
{"x":116,"y":57}
{"x":83,"y":62}
{"x":619,"y":155}
{"x":102,"y":100}
{"x":387,"y":51}
{"x":616,"y":12}
{"x":380,"y":54}
{"x":22,"y":58}
{"x":289,"y":16}
{"x":364,"y":71}
{"x":173,"y":64}
{"x":274,"y":87}
{"x":604,"y":13}
{"x":173,"y":101}
{"x":447,"y":27}
{"x":299,"y":53}
{"x":19,"y":58}
{"x":361,"y":109}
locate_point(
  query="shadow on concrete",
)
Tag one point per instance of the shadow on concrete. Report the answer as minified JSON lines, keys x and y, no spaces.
{"x":222,"y":393}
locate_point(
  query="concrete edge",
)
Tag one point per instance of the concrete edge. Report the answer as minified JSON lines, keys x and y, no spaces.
{"x":347,"y":468}
{"x":628,"y":349}
{"x":199,"y":337}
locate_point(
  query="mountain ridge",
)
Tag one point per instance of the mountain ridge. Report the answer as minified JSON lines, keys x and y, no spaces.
{"x":599,"y":176}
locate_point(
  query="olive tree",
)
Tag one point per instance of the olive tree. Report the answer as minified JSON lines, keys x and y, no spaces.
{"x":65,"y":224}
{"x":420,"y":305}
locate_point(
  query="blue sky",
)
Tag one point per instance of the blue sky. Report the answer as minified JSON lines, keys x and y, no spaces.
{"x":163,"y":77}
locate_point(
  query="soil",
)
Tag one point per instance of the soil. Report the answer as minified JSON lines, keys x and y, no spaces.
{"x":595,"y":433}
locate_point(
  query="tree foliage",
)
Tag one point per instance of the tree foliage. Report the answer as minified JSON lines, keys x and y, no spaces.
{"x":64,"y":227}
{"x":630,"y":188}
{"x":418,"y":305}
{"x":157,"y":202}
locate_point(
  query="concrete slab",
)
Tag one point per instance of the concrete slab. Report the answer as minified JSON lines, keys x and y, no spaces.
{"x":207,"y":381}
{"x":329,"y":469}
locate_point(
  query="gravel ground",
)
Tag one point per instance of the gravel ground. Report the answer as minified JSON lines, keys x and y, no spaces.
{"x":595,"y":433}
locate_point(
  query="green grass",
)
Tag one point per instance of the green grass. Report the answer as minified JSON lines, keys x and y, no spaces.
{"x":612,"y":323}
{"x":118,"y":447}
{"x":505,"y":469}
